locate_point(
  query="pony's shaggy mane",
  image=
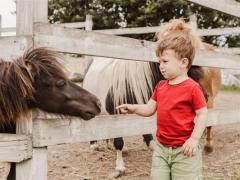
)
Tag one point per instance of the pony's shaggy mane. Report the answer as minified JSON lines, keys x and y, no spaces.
{"x":17,"y":78}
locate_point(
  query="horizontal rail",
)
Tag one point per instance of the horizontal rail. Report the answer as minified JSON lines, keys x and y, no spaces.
{"x":51,"y":130}
{"x":14,"y":46}
{"x":8,"y":29}
{"x":97,"y":44}
{"x":154,"y":29}
{"x":15,"y":147}
{"x":227,"y":6}
{"x":74,"y":25}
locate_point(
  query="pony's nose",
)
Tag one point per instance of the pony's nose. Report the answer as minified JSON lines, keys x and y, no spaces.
{"x":99,"y":104}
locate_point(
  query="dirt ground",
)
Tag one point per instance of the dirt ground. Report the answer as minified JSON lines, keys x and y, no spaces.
{"x":78,"y":162}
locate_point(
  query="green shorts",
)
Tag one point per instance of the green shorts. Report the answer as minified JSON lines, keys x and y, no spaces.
{"x":168,"y":163}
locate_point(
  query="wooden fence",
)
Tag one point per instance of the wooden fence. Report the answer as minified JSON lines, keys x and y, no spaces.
{"x":29,"y":146}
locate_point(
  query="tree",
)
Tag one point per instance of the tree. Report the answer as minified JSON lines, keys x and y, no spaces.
{"x":109,"y":14}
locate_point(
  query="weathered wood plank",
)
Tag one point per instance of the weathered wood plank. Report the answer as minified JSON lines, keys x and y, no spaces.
{"x":97,"y":44}
{"x":8,"y":29}
{"x":14,"y":46}
{"x":15,"y":148}
{"x":35,"y":168}
{"x":51,"y":130}
{"x":73,"y":25}
{"x":28,"y":12}
{"x":153,"y":29}
{"x":229,"y":50}
{"x":24,"y":17}
{"x":227,"y":6}
{"x":218,"y":31}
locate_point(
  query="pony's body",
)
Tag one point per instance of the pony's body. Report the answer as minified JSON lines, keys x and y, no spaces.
{"x":37,"y":80}
{"x":116,"y":82}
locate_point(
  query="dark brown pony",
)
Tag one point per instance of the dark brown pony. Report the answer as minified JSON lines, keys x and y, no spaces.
{"x":116,"y":82}
{"x":37,"y":80}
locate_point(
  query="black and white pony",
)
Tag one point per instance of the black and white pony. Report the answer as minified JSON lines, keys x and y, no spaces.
{"x":118,"y":81}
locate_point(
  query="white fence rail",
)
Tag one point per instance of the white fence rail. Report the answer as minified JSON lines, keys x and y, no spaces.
{"x":97,"y":44}
{"x":51,"y":130}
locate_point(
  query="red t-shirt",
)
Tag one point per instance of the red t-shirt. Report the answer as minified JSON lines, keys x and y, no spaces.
{"x":176,"y":106}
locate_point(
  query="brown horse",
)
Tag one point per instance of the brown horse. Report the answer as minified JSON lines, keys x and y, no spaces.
{"x":116,"y":82}
{"x":211,"y":82}
{"x":37,"y":80}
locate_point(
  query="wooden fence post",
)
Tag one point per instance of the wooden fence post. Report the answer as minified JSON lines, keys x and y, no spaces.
{"x":88,"y":23}
{"x":193,"y":22}
{"x":0,"y":24}
{"x":28,"y":12}
{"x":88,"y":27}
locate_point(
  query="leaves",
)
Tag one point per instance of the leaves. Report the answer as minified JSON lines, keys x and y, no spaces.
{"x":109,"y":14}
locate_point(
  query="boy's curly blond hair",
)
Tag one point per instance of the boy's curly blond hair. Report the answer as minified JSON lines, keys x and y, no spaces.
{"x":178,"y":36}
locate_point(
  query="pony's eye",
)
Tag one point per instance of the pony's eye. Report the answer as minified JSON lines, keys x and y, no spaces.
{"x":61,"y":83}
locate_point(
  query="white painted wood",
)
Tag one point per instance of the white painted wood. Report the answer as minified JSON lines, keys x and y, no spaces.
{"x":217,"y":59}
{"x":193,"y":22}
{"x":136,"y":30}
{"x":97,"y":44}
{"x":0,"y":24}
{"x":51,"y":130}
{"x":231,"y":7}
{"x":37,"y":167}
{"x":71,"y":130}
{"x":229,"y":50}
{"x":89,"y":43}
{"x":24,"y":17}
{"x":40,"y":11}
{"x":218,"y":31}
{"x":144,"y":30}
{"x":73,"y":25}
{"x":153,"y":29}
{"x":29,"y":11}
{"x":23,"y":169}
{"x":15,"y":148}
{"x":8,"y":29}
{"x":14,"y":47}
{"x":88,"y":23}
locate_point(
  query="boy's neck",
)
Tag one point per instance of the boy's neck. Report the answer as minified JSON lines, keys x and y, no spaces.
{"x":178,"y":79}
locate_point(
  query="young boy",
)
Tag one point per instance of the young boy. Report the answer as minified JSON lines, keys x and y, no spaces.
{"x":180,"y":105}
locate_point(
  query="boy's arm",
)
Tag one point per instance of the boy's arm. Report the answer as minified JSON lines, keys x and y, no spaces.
{"x":200,"y":123}
{"x":190,"y":146}
{"x":140,"y":109}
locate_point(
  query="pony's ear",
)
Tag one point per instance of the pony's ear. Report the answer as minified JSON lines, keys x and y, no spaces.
{"x":30,"y":70}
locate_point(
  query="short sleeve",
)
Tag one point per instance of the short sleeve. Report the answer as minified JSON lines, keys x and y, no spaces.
{"x":198,"y":99}
{"x":154,"y":95}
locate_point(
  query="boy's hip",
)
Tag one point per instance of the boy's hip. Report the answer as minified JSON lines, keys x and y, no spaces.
{"x":174,"y":153}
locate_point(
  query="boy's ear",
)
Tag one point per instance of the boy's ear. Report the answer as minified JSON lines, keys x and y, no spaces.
{"x":185,"y":61}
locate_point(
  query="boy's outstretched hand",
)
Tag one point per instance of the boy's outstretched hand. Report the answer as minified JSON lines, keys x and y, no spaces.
{"x":189,"y":148}
{"x":126,"y":108}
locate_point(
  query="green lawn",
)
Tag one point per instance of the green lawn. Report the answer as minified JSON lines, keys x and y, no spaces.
{"x":230,"y":88}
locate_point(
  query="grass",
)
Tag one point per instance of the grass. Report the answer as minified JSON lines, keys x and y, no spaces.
{"x":233,"y":88}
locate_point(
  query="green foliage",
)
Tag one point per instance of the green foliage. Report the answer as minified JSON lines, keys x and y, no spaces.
{"x":109,"y":14}
{"x":230,"y":88}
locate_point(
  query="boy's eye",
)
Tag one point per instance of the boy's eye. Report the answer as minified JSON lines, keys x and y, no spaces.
{"x":165,"y":61}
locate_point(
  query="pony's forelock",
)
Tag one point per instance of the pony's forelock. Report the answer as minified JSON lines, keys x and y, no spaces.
{"x":17,"y":78}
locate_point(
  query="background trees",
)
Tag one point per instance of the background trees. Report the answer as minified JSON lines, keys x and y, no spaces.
{"x":109,"y":14}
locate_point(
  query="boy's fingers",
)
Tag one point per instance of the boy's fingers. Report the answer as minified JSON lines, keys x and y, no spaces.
{"x":123,"y":110}
{"x":118,"y":107}
{"x":190,"y":152}
{"x":183,"y":148}
{"x":186,"y":152}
